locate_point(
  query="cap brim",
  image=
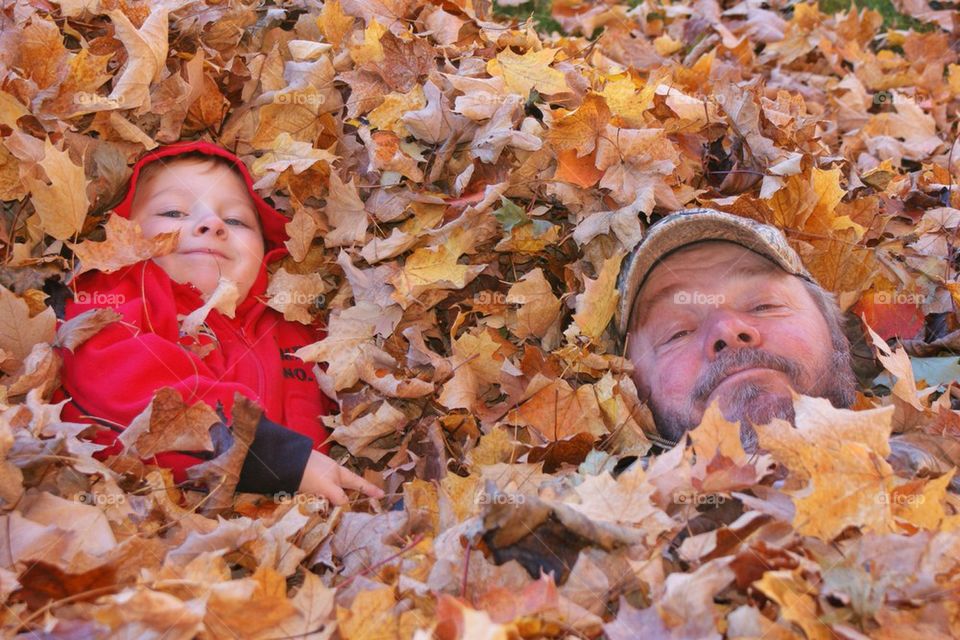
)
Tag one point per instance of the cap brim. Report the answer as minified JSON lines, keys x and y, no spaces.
{"x":670,"y":235}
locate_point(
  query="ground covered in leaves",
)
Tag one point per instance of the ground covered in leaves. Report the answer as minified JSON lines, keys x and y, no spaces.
{"x":462,"y":190}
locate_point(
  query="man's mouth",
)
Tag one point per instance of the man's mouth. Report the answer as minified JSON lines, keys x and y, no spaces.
{"x":741,"y":374}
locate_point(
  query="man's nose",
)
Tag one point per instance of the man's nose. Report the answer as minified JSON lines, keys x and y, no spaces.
{"x":730,"y":329}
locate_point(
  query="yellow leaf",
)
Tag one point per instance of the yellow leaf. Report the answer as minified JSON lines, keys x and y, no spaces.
{"x":624,"y":102}
{"x":371,"y":50}
{"x":394,"y":106}
{"x":797,"y":604}
{"x":626,"y":500}
{"x":370,"y":616}
{"x":334,"y":23}
{"x":595,"y":306}
{"x":920,"y":503}
{"x":807,"y":201}
{"x":715,"y":435}
{"x":62,"y":205}
{"x":522,"y":73}
{"x":433,"y":268}
{"x":840,"y":456}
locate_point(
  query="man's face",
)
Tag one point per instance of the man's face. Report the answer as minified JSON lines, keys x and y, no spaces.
{"x":716,"y":322}
{"x":219,"y":227}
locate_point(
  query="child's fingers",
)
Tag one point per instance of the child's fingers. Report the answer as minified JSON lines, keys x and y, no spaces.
{"x":335,"y":495}
{"x":350,"y":480}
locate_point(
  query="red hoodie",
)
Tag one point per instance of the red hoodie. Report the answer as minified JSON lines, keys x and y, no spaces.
{"x":113,"y":375}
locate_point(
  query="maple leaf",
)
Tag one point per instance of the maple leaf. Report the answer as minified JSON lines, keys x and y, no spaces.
{"x":523,"y":73}
{"x":19,"y":332}
{"x":146,"y":58}
{"x":539,"y":308}
{"x":556,"y":411}
{"x":840,"y":456}
{"x":597,"y":303}
{"x":125,"y":245}
{"x":168,"y":424}
{"x":62,"y":204}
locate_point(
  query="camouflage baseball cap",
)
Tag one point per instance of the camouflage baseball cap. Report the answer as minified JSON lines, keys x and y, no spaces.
{"x":697,"y":225}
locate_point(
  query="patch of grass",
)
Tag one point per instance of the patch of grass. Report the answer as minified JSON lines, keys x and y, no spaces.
{"x":892,"y":19}
{"x":538,"y":9}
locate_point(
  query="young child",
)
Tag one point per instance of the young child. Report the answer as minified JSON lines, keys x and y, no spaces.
{"x":226,"y":230}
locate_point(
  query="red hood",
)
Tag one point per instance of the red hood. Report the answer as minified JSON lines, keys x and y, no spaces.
{"x":272,"y":220}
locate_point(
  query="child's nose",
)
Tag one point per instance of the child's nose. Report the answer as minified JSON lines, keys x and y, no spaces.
{"x":210,"y":223}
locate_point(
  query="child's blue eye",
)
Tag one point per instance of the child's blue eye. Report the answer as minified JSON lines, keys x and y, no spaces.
{"x":173,"y":213}
{"x":237,"y":222}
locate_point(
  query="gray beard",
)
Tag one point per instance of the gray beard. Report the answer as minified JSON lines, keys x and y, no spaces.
{"x":752,"y":403}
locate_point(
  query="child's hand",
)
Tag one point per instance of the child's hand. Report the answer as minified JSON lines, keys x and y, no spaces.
{"x":326,"y":478}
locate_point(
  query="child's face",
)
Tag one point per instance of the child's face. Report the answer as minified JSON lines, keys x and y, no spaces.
{"x":219,"y":228}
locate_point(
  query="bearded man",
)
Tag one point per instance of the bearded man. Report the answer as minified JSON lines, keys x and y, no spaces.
{"x":719,"y":308}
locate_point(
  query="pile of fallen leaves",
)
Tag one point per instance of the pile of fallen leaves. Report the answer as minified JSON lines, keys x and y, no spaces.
{"x":461,"y":192}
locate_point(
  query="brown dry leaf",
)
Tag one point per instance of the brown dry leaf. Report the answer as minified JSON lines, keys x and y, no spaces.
{"x":147,"y":52}
{"x":11,"y":478}
{"x":626,"y":500}
{"x":124,"y":245}
{"x":169,"y":424}
{"x":349,"y":338}
{"x":346,"y":214}
{"x":898,"y":364}
{"x":556,"y":411}
{"x":362,"y":432}
{"x":296,"y":296}
{"x":220,"y":475}
{"x":302,"y":229}
{"x":434,"y":268}
{"x":539,"y":308}
{"x":19,"y":332}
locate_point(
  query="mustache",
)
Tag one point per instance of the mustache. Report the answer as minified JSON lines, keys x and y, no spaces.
{"x":731,"y":360}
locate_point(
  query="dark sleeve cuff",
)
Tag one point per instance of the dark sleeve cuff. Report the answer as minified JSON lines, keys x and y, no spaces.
{"x":275,"y":461}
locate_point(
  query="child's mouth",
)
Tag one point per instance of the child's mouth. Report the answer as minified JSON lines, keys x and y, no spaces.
{"x":209,"y":252}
